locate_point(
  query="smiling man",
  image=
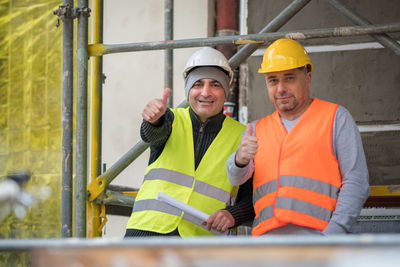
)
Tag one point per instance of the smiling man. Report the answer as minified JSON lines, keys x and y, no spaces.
{"x":306,"y":159}
{"x":189,"y":148}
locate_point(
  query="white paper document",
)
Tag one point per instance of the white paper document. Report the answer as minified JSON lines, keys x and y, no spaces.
{"x":182,"y":206}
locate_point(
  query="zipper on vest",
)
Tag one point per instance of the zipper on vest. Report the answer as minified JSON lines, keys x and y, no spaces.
{"x":201,"y":131}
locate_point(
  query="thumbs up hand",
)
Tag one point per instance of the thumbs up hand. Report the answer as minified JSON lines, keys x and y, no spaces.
{"x":156,"y":108}
{"x":249,"y":130}
{"x":247,"y":148}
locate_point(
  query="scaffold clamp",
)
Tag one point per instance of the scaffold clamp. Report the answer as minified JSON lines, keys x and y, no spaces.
{"x":66,"y":12}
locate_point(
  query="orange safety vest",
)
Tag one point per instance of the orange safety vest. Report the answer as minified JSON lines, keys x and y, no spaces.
{"x":296,"y":174}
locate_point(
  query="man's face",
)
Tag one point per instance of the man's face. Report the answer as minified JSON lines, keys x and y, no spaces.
{"x":206,"y":98}
{"x":289,"y":91}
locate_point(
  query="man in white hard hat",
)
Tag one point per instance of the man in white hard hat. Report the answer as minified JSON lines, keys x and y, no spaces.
{"x":189,"y":148}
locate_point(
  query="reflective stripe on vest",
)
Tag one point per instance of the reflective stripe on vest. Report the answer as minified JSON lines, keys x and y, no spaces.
{"x":266,"y":188}
{"x":156,"y":205}
{"x":296,"y":205}
{"x":170,"y":176}
{"x":265,"y":214}
{"x":297,"y":178}
{"x":296,"y":181}
{"x":187,"y":181}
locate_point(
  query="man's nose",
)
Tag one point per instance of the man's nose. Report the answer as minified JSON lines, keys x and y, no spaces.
{"x":281,"y":87}
{"x":206,"y":90}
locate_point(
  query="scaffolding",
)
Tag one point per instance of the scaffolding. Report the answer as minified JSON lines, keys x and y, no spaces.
{"x":100,"y":191}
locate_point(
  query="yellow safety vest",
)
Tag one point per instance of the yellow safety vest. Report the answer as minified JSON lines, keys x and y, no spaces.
{"x":207,"y":188}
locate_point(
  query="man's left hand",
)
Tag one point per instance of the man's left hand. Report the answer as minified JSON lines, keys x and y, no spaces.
{"x":220,"y":220}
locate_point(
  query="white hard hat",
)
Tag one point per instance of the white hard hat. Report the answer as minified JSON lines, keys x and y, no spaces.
{"x":208,"y":56}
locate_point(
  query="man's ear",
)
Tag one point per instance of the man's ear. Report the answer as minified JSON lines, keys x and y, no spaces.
{"x":308,"y":78}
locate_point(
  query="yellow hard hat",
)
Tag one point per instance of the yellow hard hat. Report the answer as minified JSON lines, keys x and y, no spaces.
{"x":284,"y":54}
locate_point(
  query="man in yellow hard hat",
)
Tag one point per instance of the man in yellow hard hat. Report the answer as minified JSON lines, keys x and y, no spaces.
{"x":307,"y":160}
{"x":188,"y":151}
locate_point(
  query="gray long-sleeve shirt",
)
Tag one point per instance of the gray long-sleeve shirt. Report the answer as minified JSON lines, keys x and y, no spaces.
{"x":348,"y":149}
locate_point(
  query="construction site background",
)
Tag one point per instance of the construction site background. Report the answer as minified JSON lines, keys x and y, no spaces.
{"x":365,"y":82}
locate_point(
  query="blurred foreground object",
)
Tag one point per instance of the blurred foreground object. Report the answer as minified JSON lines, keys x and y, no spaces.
{"x":14,"y":199}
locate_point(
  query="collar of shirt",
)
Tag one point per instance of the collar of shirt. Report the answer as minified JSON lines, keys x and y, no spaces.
{"x":213,"y":124}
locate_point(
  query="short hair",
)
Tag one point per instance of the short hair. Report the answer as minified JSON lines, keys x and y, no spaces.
{"x":306,"y":69}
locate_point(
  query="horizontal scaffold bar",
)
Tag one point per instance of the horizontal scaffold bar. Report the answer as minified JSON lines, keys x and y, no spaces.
{"x":117,"y":199}
{"x":97,"y":185}
{"x":385,"y":190}
{"x":260,"y":38}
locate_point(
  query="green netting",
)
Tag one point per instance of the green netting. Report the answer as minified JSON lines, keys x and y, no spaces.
{"x":30,"y":110}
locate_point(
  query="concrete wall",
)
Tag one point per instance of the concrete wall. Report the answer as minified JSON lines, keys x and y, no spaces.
{"x":362,"y":80}
{"x":135,"y":78}
{"x":366,"y":82}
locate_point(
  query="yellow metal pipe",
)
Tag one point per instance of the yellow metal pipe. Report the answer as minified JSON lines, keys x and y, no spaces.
{"x":95,"y":49}
{"x":385,"y":190}
{"x":133,"y":194}
{"x":94,"y":210}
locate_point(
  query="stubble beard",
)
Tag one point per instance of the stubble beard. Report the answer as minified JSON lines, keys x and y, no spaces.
{"x":288,"y":105}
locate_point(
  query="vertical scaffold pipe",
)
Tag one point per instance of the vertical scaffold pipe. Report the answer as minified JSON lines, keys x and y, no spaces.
{"x":169,"y":56}
{"x":94,"y":220}
{"x":81,"y":121}
{"x":67,"y":126}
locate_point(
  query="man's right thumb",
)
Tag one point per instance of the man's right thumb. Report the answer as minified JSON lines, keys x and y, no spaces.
{"x":166,"y":95}
{"x":249,"y":129}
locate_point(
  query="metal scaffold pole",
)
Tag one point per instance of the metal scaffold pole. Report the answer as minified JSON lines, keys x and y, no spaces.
{"x":67,"y":126}
{"x":81,"y":120}
{"x":169,"y":54}
{"x":94,"y":220}
{"x":259,"y":38}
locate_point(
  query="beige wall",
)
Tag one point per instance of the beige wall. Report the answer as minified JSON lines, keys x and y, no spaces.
{"x":135,"y":78}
